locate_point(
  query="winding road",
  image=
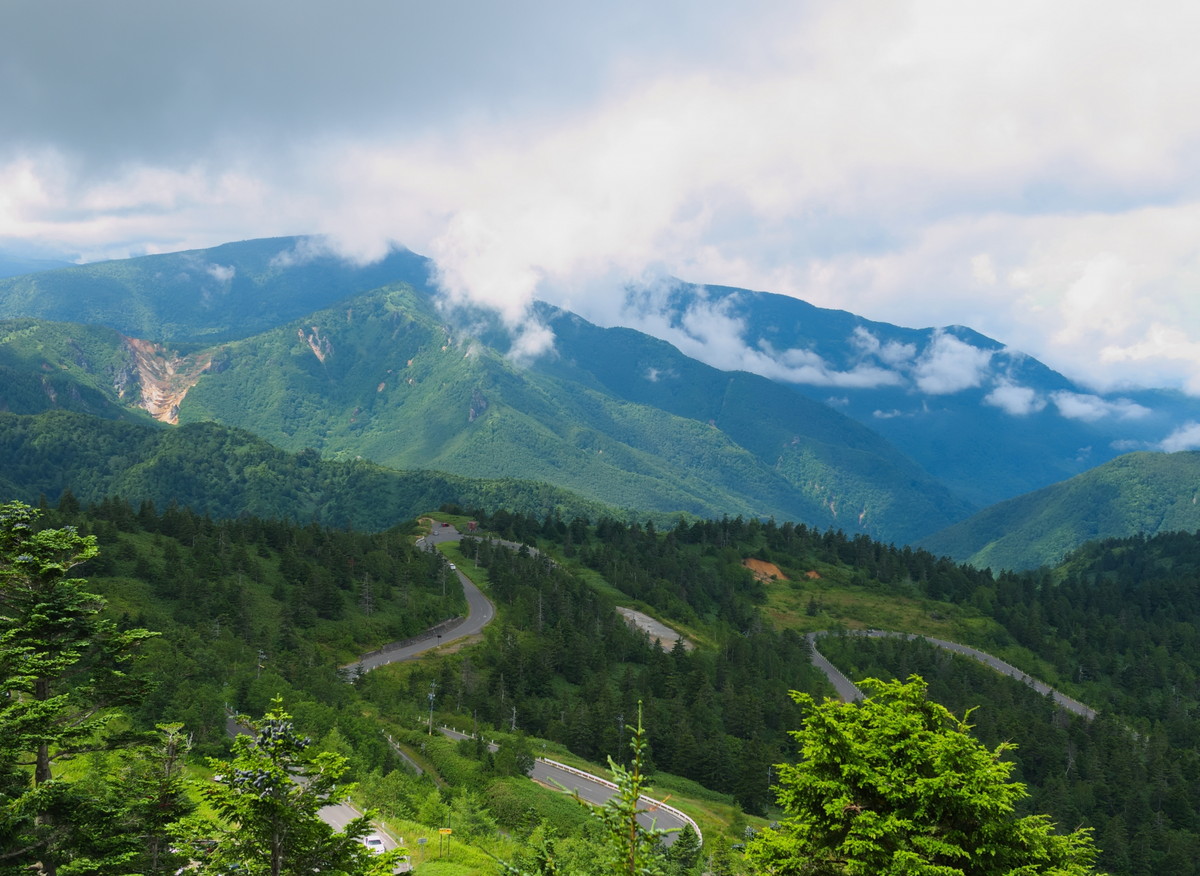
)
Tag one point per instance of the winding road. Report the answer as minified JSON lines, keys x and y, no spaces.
{"x":850,"y":693}
{"x":481,"y":612}
{"x":593,"y":789}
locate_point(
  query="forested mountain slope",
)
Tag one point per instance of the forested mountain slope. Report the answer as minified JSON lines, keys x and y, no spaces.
{"x":209,"y":295}
{"x":613,"y":414}
{"x":1139,"y":493}
{"x":986,"y":421}
{"x":272,"y":607}
{"x":989,"y":421}
{"x":229,"y":473}
{"x":1115,"y":626}
{"x":67,"y":366}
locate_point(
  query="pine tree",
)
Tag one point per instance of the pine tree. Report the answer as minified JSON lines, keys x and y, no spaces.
{"x":62,"y":673}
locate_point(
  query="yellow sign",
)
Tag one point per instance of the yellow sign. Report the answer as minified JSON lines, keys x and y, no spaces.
{"x":445,"y":830}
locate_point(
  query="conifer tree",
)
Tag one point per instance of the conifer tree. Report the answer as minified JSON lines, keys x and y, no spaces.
{"x":269,"y":797}
{"x":897,"y":785}
{"x":62,"y":673}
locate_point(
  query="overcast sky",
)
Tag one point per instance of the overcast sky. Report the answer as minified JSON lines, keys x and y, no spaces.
{"x":1029,"y":169}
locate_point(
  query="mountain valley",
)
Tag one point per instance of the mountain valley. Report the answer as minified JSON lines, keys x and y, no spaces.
{"x":253,"y":464}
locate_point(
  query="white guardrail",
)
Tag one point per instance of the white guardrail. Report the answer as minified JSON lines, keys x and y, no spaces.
{"x":654,"y":805}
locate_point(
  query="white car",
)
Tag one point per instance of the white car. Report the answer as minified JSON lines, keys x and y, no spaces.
{"x":453,"y":567}
{"x":374,"y":842}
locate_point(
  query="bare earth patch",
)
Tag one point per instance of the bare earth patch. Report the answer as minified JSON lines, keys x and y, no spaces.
{"x":763,"y":570}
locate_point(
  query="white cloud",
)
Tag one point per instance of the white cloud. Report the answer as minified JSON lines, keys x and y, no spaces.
{"x":1129,"y":445}
{"x":991,"y":164}
{"x":1089,"y":408}
{"x":708,"y":331}
{"x":893,"y":353}
{"x":1020,"y":401}
{"x":223,"y":274}
{"x":949,"y":365}
{"x":1186,"y":437}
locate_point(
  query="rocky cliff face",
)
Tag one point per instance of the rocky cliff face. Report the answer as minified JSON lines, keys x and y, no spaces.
{"x":163,"y":379}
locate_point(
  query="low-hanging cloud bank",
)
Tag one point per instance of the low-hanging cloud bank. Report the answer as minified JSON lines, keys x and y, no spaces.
{"x":998,"y":165}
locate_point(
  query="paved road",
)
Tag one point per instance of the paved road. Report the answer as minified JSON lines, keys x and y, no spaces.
{"x":480,"y":612}
{"x":340,"y":814}
{"x":337,"y":815}
{"x":597,"y":791}
{"x":847,"y":691}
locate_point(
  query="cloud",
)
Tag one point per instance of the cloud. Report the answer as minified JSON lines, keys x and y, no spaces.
{"x":223,"y":274}
{"x":949,"y":365}
{"x":707,"y":330}
{"x":1089,"y":408}
{"x":1186,"y":437}
{"x":893,"y":353}
{"x":1019,"y":401}
{"x":990,"y":164}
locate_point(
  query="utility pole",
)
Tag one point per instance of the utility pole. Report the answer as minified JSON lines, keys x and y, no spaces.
{"x":432,"y":690}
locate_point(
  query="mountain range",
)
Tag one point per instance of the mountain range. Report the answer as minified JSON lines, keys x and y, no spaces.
{"x":819,"y":416}
{"x":988,"y":421}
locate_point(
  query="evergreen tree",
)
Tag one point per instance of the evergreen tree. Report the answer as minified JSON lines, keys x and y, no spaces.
{"x":62,"y":672}
{"x":630,"y":849}
{"x":684,"y":853}
{"x":269,"y":797}
{"x":896,"y":785}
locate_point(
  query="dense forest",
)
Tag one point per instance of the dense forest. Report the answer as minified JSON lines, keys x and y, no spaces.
{"x":1116,"y":626}
{"x":247,"y":610}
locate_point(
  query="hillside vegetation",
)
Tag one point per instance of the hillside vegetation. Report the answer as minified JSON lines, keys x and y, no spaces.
{"x":615,"y":416}
{"x":230,"y":473}
{"x":873,"y":372}
{"x":251,"y":609}
{"x":209,"y":295}
{"x":1139,"y":493}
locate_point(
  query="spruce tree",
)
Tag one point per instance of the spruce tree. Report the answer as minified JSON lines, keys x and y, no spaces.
{"x":62,"y":675}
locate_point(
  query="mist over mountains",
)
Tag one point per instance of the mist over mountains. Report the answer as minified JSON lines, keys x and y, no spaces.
{"x":711,"y":401}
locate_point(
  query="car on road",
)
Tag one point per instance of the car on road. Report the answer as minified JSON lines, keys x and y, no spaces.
{"x":374,"y":842}
{"x":453,"y":567}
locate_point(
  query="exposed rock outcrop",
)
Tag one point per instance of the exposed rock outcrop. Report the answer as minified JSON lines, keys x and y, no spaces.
{"x":162,"y":377}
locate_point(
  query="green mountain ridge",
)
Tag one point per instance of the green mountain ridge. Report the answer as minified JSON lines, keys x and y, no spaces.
{"x":281,"y":338}
{"x":615,"y":416}
{"x":204,"y":296}
{"x":228,"y":473}
{"x":965,"y":432}
{"x":1138,"y":493}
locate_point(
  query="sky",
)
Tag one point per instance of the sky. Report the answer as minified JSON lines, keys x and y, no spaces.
{"x":1027,"y":169}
